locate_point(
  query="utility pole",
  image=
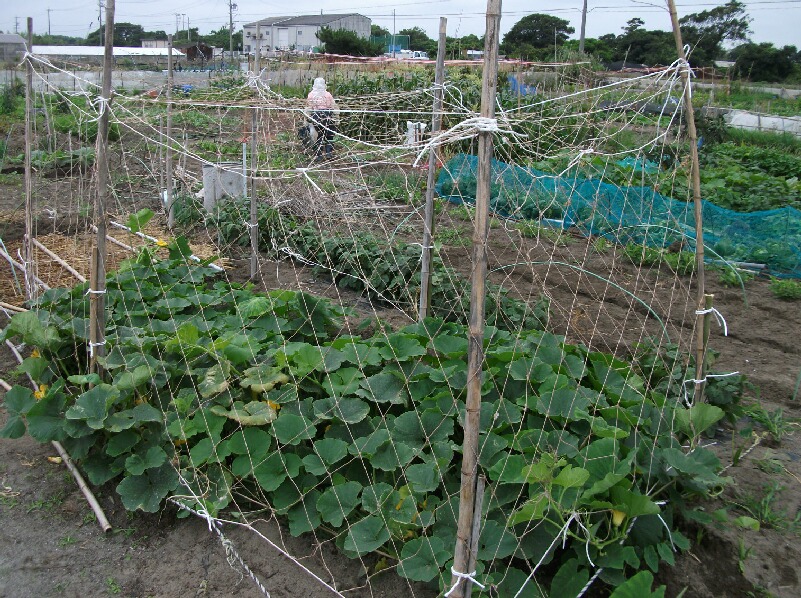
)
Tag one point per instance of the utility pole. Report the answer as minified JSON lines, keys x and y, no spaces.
{"x":231,"y":8}
{"x":583,"y":27}
{"x":16,"y":24}
{"x":188,"y":36}
{"x":393,"y":33}
{"x":48,"y":20}
{"x":177,"y":22}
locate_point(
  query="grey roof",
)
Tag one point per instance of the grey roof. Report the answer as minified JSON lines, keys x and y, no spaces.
{"x":267,"y":21}
{"x":11,"y":38}
{"x":303,"y":19}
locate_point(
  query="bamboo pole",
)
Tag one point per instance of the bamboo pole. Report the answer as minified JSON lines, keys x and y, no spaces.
{"x":695,"y":173}
{"x":97,"y":285}
{"x":428,"y":221}
{"x":27,"y":247}
{"x":481,"y":483}
{"x":60,"y":261}
{"x":475,"y":349}
{"x":116,"y":241}
{"x":10,"y":307}
{"x":65,"y":458}
{"x":254,"y":220}
{"x":708,"y":302}
{"x":168,"y":190}
{"x":6,"y":386}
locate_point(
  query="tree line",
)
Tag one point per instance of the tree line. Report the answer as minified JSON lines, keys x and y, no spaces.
{"x":719,"y":33}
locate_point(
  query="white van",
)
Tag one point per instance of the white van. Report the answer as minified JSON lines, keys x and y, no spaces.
{"x":413,"y":54}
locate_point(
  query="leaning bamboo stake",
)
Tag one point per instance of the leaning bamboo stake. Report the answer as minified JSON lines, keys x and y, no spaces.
{"x":475,"y":349}
{"x":695,"y":173}
{"x":27,"y":247}
{"x":65,"y":458}
{"x":60,"y":261}
{"x":6,"y":386}
{"x":10,"y":307}
{"x":428,"y":221}
{"x":15,"y":264}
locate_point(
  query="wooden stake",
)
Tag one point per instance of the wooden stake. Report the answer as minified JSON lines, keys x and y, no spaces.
{"x":168,"y":191}
{"x":254,"y":221}
{"x":97,"y":275}
{"x":481,"y":483}
{"x":475,"y":348}
{"x":708,"y":302}
{"x":428,"y":221}
{"x":27,"y":248}
{"x":695,"y":173}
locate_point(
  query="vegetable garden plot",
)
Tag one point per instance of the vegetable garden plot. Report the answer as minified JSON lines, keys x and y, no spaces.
{"x":637,"y":215}
{"x":312,"y":394}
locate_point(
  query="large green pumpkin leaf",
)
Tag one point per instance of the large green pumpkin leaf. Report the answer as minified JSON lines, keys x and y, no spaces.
{"x":366,"y":536}
{"x":385,"y":387}
{"x":289,"y":428}
{"x":215,"y":380}
{"x":337,"y":502}
{"x":423,"y":477}
{"x":422,"y":558}
{"x":93,"y":405}
{"x":146,"y":491}
{"x":350,"y":410}
{"x":638,"y":586}
{"x":46,"y":420}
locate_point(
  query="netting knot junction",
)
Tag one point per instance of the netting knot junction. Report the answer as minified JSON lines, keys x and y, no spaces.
{"x":461,"y":577}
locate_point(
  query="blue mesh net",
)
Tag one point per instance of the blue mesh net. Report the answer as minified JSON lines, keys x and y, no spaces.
{"x":630,"y":214}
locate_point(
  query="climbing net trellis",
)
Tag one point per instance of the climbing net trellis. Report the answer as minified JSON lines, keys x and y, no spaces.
{"x":294,"y":390}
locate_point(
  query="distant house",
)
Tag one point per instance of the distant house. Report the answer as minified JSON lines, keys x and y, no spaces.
{"x":299,"y":33}
{"x":12,"y":46}
{"x":154,"y":43}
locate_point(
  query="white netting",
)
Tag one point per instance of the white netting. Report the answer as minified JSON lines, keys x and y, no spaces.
{"x":307,"y":400}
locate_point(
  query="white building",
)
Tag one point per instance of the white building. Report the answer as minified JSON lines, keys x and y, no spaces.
{"x":299,"y":33}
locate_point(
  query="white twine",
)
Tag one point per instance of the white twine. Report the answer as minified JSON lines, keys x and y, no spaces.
{"x":304,"y":172}
{"x":95,"y":292}
{"x":461,"y":577}
{"x":562,"y":532}
{"x":466,"y":129}
{"x":687,"y":400}
{"x":92,"y":346}
{"x":231,"y":555}
{"x":718,"y":316}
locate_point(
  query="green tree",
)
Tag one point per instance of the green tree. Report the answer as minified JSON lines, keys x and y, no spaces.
{"x":537,"y":31}
{"x":219,"y":38}
{"x":764,"y":62}
{"x":125,"y":35}
{"x":378,"y":30}
{"x":418,"y":38}
{"x":340,"y":41}
{"x":58,"y":40}
{"x":707,"y":30}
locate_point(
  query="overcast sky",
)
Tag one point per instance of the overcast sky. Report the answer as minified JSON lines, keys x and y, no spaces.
{"x":777,"y":21}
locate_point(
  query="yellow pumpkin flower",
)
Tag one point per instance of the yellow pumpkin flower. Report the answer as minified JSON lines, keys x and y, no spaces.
{"x":35,"y":353}
{"x":162,"y":243}
{"x":274,"y":405}
{"x":617,"y":517}
{"x":39,"y":394}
